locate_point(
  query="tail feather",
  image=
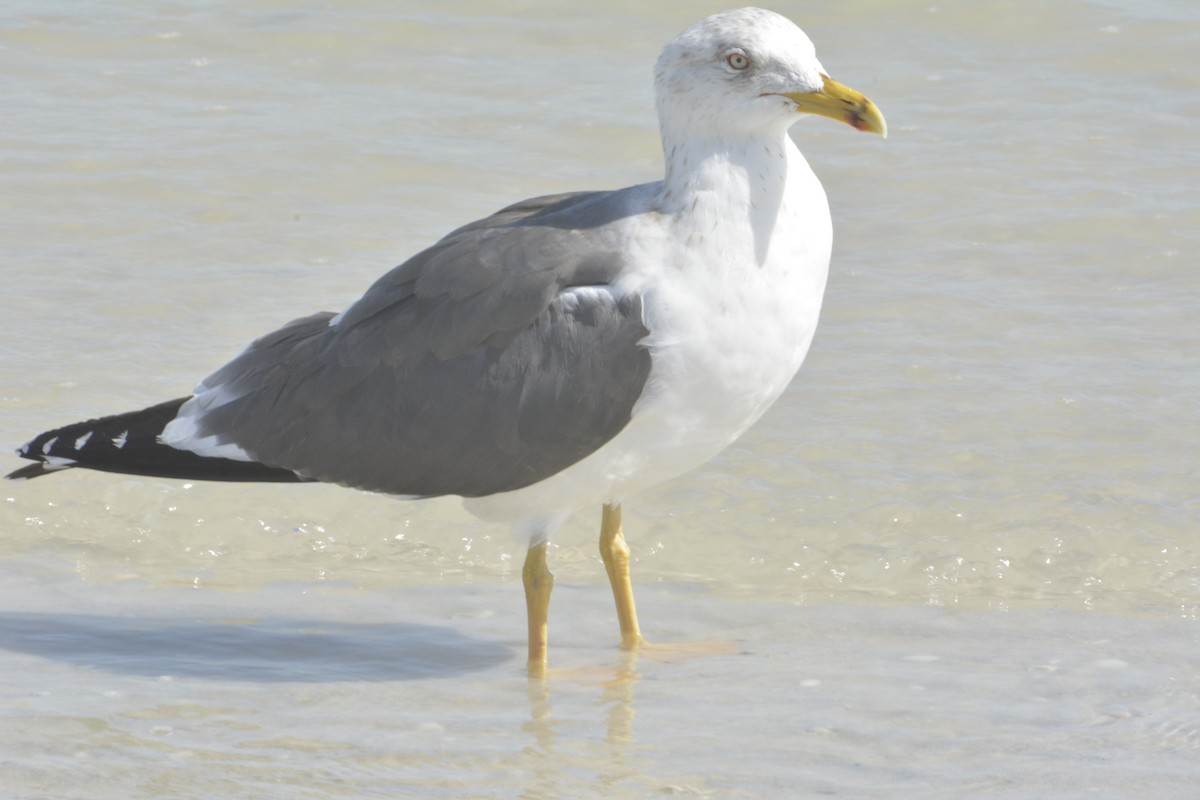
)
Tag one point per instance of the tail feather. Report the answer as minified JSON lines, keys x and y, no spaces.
{"x":129,"y":443}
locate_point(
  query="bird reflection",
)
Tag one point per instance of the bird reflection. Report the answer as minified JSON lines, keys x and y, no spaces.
{"x":616,"y":691}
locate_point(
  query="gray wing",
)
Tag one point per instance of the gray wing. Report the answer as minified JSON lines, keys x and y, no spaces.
{"x":488,"y":362}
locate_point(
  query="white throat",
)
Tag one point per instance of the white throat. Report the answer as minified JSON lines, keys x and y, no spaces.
{"x":737,"y":190}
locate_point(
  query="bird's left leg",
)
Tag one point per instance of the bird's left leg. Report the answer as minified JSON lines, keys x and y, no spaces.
{"x":539,"y":582}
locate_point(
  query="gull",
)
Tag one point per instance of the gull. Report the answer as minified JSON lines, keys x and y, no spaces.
{"x":562,"y":353}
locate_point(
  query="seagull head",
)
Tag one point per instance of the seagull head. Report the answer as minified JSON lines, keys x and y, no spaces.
{"x":749,"y":71}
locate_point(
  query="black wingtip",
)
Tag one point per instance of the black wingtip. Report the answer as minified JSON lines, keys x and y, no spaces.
{"x":129,"y":444}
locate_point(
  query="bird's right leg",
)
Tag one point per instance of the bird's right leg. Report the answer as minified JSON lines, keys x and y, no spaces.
{"x":615,"y":553}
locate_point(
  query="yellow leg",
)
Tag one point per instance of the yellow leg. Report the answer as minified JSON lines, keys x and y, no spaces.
{"x":539,"y":582}
{"x":615,"y":553}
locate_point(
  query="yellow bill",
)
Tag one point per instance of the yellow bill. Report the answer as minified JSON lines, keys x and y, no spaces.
{"x":838,"y":101}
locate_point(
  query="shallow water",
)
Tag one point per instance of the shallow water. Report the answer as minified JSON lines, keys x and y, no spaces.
{"x":959,"y":558}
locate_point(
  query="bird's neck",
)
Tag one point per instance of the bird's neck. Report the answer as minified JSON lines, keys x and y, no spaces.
{"x":740,"y":183}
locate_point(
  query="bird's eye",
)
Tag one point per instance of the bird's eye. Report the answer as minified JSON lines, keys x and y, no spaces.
{"x":738,"y":60}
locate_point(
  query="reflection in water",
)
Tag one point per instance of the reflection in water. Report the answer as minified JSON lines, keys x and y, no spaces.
{"x":618,"y":693}
{"x":540,"y":725}
{"x":612,"y":762}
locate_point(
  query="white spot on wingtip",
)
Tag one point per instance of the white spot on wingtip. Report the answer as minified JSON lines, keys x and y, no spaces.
{"x":82,"y":440}
{"x":49,"y":443}
{"x":119,"y":441}
{"x":335,"y":319}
